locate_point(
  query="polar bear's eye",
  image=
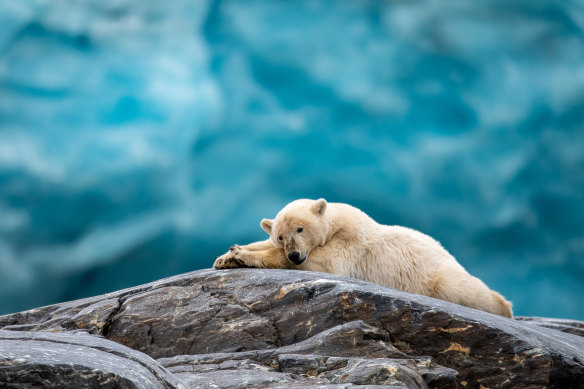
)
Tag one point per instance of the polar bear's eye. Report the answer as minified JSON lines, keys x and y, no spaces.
{"x":280,"y":237}
{"x":300,"y":229}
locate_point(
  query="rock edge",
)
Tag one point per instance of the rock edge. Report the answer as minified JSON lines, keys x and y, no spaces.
{"x":270,"y":328}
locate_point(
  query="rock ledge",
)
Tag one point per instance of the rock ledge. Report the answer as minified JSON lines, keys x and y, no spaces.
{"x":281,"y":328}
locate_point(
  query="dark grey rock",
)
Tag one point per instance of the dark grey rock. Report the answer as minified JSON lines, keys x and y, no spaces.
{"x":574,"y":327}
{"x":270,"y":328}
{"x":327,"y":357}
{"x":76,"y":360}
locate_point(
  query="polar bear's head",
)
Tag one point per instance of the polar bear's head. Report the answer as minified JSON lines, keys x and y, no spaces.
{"x":298,"y":228}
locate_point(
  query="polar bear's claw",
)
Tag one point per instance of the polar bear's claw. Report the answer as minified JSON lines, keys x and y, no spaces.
{"x":230,"y":259}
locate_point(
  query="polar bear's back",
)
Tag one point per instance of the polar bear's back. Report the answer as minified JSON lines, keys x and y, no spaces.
{"x":404,"y":239}
{"x":394,"y":256}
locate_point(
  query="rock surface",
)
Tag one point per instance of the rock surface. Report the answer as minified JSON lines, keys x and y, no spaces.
{"x":569,"y":326}
{"x":275,"y":328}
{"x":76,"y":360}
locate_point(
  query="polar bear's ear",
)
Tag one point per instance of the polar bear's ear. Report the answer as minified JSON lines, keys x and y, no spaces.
{"x":319,"y":207}
{"x":267,"y":225}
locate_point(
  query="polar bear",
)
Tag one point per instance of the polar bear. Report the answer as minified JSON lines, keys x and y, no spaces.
{"x":340,"y":239}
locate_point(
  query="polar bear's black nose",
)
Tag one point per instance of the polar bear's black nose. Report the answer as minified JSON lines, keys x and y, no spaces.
{"x":294,"y":256}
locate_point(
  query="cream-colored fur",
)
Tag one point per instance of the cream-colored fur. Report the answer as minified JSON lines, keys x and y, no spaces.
{"x":340,"y":239}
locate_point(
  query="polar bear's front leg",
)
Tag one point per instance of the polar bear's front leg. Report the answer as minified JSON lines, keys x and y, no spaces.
{"x":257,"y":246}
{"x":240,"y":256}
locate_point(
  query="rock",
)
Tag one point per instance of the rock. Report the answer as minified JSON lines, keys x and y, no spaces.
{"x":270,"y":328}
{"x":328,"y":357}
{"x":76,"y":360}
{"x":569,"y":326}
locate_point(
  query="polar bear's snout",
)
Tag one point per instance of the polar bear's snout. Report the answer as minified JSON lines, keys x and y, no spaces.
{"x":296,"y":258}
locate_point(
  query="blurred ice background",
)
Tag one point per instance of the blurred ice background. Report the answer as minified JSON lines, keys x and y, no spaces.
{"x":139,"y":139}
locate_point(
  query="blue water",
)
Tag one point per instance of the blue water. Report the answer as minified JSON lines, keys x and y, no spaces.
{"x":139,"y":139}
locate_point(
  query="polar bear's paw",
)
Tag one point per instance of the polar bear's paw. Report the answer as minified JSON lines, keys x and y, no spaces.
{"x":231,"y":259}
